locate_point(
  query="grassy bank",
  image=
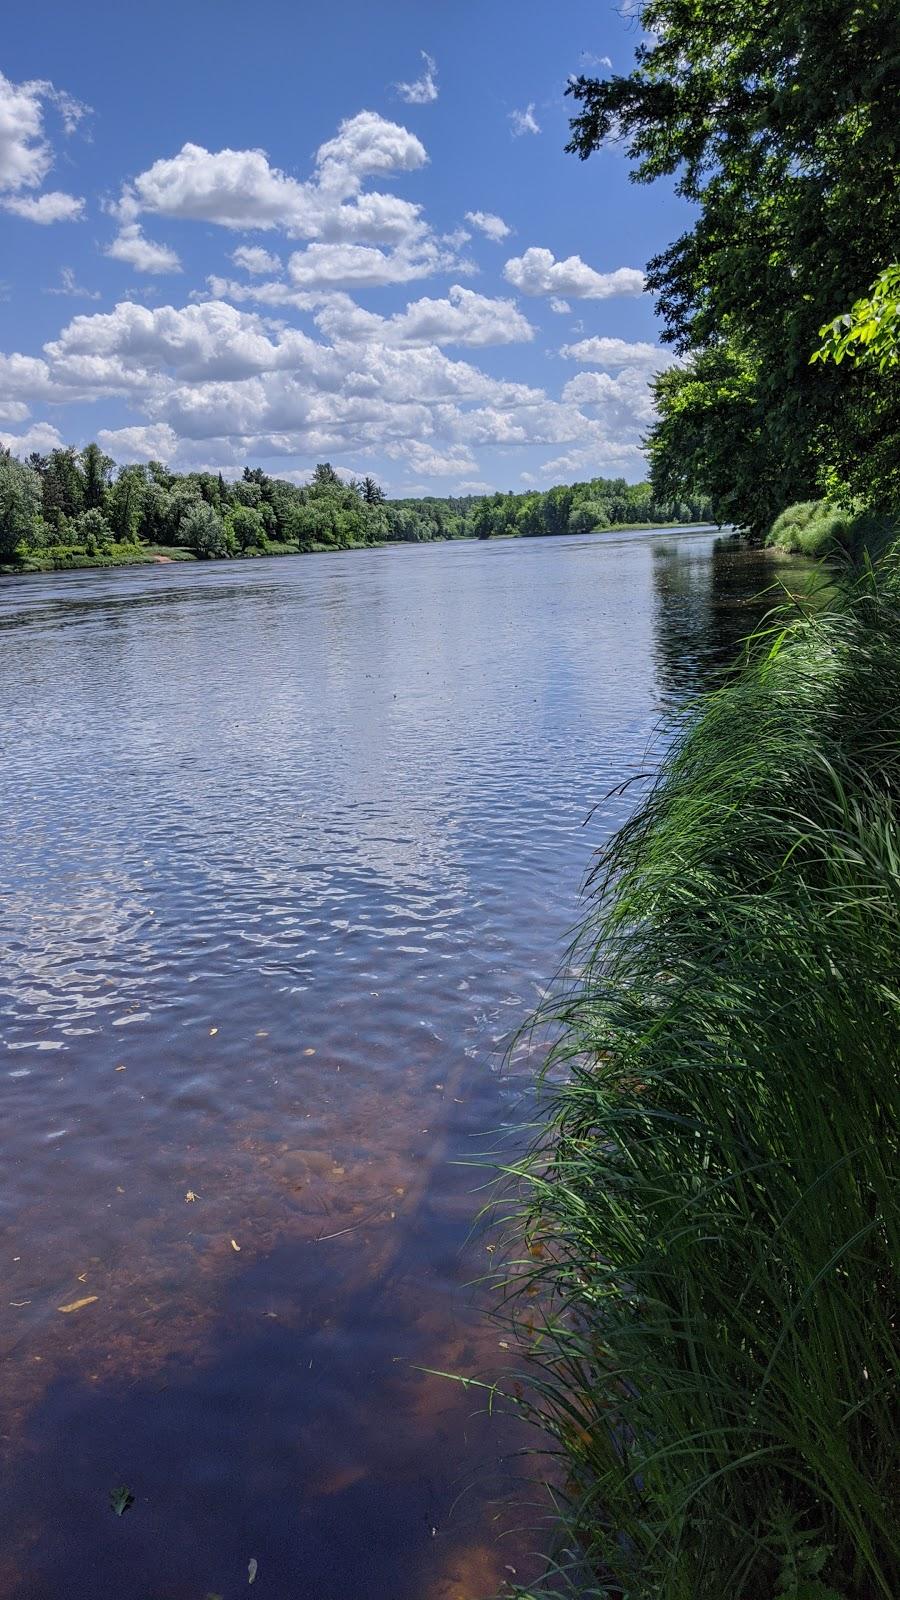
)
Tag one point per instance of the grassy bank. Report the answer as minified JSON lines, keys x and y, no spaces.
{"x":823,"y":529}
{"x":709,"y":1208}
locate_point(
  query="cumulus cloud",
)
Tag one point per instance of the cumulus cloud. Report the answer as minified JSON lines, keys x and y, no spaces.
{"x":54,"y":206}
{"x":255,"y":260}
{"x":26,"y":154}
{"x":133,"y":247}
{"x":491,"y":226}
{"x":561,"y":307}
{"x":364,"y":266}
{"x":155,"y":442}
{"x":240,"y":189}
{"x":68,"y":286}
{"x":538,"y":272}
{"x":464,"y":318}
{"x":423,"y":89}
{"x":13,"y":411}
{"x":524,"y":121}
{"x":606,"y":352}
{"x":40,"y":436}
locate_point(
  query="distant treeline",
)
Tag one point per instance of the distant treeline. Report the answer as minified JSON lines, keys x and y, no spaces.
{"x":72,"y":504}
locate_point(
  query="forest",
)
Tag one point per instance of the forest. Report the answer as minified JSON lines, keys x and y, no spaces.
{"x":73,"y":507}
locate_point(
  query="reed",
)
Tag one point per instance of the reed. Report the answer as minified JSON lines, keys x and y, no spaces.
{"x":708,"y":1206}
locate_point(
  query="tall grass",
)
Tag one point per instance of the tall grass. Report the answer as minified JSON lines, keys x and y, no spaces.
{"x":821,"y":528}
{"x":709,"y":1208}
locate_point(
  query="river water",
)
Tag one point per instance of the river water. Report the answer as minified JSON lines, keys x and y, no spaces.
{"x":288,"y":850}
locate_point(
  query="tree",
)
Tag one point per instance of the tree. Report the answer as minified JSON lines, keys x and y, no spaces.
{"x":372,"y":492}
{"x":247,"y":528}
{"x":20,"y":505}
{"x":125,"y":504}
{"x":870,"y":330}
{"x":62,"y":487}
{"x":204,"y":532}
{"x":779,"y":121}
{"x":95,"y":473}
{"x":91,"y":530}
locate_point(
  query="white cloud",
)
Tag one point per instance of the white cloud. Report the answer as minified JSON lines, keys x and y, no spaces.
{"x":240,"y":189}
{"x":132,"y":246}
{"x":156,"y":442}
{"x":256,"y":260}
{"x":624,"y":404}
{"x":13,"y":411}
{"x":524,"y":121}
{"x":538,"y":272}
{"x":366,"y":146}
{"x":69,"y":286}
{"x":45,"y":208}
{"x":41,"y":436}
{"x":431,"y":463}
{"x":561,"y":307}
{"x":422,"y":90}
{"x":26,"y":154}
{"x":464,"y":318}
{"x":491,"y":226}
{"x":324,"y":266}
{"x":606,"y":352}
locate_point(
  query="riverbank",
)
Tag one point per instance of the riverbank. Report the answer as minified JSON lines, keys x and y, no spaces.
{"x":129,"y":555}
{"x":708,"y":1209}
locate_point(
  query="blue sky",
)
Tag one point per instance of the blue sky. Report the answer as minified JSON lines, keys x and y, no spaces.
{"x":275,"y":234}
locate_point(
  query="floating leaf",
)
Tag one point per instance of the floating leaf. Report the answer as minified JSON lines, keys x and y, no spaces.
{"x":235,"y":1245}
{"x":213,"y":1031}
{"x":120,"y":1499}
{"x":252,"y":1569}
{"x":190,"y":1197}
{"x":76,"y":1305}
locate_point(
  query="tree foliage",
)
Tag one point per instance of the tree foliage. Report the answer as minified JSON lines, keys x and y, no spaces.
{"x":778,"y":120}
{"x":80,"y":503}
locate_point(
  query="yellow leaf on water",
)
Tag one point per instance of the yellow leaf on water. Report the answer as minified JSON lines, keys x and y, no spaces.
{"x":309,"y":1052}
{"x":190,"y":1196}
{"x":235,"y":1245}
{"x":212,"y":1031}
{"x":76,"y":1305}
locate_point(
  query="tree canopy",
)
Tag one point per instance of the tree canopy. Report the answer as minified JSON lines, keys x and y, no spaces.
{"x":71,"y":504}
{"x":778,"y":119}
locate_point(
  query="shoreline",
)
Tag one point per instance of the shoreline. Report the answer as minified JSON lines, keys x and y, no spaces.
{"x":166,"y":555}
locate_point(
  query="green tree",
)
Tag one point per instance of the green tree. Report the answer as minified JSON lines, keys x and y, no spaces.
{"x":62,"y":487}
{"x":20,"y":505}
{"x":870,"y":330}
{"x":246,"y":527}
{"x":95,"y":474}
{"x":204,"y":532}
{"x":91,"y":530}
{"x":779,"y":122}
{"x":125,"y":504}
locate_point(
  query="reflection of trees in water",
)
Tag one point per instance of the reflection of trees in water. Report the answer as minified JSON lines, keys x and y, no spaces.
{"x":706,"y":603}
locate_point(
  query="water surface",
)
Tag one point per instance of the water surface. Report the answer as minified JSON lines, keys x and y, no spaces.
{"x":288,"y":849}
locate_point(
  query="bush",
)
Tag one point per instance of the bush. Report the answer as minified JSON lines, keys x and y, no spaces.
{"x":712,"y":1200}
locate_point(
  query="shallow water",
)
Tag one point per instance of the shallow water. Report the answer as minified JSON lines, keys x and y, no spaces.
{"x":288,"y":849}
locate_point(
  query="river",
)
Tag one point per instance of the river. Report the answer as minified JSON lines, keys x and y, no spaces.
{"x":288,"y":850}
